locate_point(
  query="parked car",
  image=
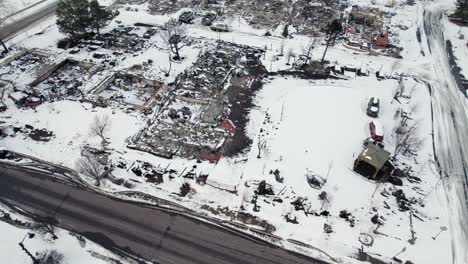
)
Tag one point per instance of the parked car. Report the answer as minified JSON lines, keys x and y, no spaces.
{"x":187,"y":17}
{"x":373,"y":107}
{"x":74,"y":51}
{"x":368,"y":141}
{"x":219,"y":27}
{"x":93,"y":48}
{"x":376,"y":130}
{"x":208,"y":19}
{"x":149,"y":32}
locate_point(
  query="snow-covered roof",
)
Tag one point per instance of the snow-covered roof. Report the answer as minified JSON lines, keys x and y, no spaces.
{"x":374,"y":155}
{"x":379,"y":130}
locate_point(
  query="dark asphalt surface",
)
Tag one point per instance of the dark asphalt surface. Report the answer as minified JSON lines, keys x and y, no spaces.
{"x":151,"y":233}
{"x":10,"y":29}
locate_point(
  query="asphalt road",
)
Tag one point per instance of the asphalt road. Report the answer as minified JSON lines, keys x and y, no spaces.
{"x":450,"y":118}
{"x":11,"y":28}
{"x":151,"y":233}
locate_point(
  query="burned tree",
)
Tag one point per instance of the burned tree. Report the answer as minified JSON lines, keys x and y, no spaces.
{"x":100,"y":127}
{"x":333,"y":30}
{"x":174,"y":37}
{"x":91,"y":165}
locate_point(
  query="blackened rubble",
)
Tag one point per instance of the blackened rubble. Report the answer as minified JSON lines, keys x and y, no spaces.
{"x":206,"y":108}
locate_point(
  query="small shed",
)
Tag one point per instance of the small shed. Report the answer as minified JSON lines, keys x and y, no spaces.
{"x":371,"y":161}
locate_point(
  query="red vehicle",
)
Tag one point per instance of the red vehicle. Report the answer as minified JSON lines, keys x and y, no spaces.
{"x":376,"y":130}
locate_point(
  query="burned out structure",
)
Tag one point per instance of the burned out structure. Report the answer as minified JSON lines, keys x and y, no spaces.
{"x":128,"y":39}
{"x":25,"y":66}
{"x":111,"y":46}
{"x":195,"y":120}
{"x":129,"y":89}
{"x":365,"y":27}
{"x":307,"y":16}
{"x":372,"y":162}
{"x":165,"y":7}
{"x":64,"y":79}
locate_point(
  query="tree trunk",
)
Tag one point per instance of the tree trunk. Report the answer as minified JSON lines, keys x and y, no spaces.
{"x":326,"y":49}
{"x":176,"y":49}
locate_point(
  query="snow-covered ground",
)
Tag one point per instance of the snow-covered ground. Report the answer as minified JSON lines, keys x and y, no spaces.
{"x":75,"y":249}
{"x":319,"y":127}
{"x":305,"y":125}
{"x":449,"y":105}
{"x":70,"y":121}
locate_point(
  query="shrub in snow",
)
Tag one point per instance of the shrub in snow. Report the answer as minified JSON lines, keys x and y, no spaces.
{"x":263,"y":189}
{"x":327,"y":228}
{"x":291,"y":219}
{"x":184,"y":189}
{"x":50,"y":257}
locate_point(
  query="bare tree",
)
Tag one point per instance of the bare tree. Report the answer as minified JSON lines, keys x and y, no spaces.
{"x":261,"y":146}
{"x":174,"y":37}
{"x":50,"y":257}
{"x":100,"y":127}
{"x":399,"y":90}
{"x":407,"y":139}
{"x":307,"y":49}
{"x":90,"y":165}
{"x":167,"y":71}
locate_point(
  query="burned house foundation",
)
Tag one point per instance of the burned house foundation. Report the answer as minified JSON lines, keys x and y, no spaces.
{"x":128,"y":89}
{"x":195,"y":120}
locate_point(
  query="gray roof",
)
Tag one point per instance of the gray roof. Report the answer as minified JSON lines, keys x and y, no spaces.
{"x":374,"y":155}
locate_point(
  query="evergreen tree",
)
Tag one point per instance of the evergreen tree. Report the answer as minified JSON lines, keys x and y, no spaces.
{"x":73,"y":17}
{"x":462,"y":9}
{"x":99,"y":15}
{"x":333,"y":30}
